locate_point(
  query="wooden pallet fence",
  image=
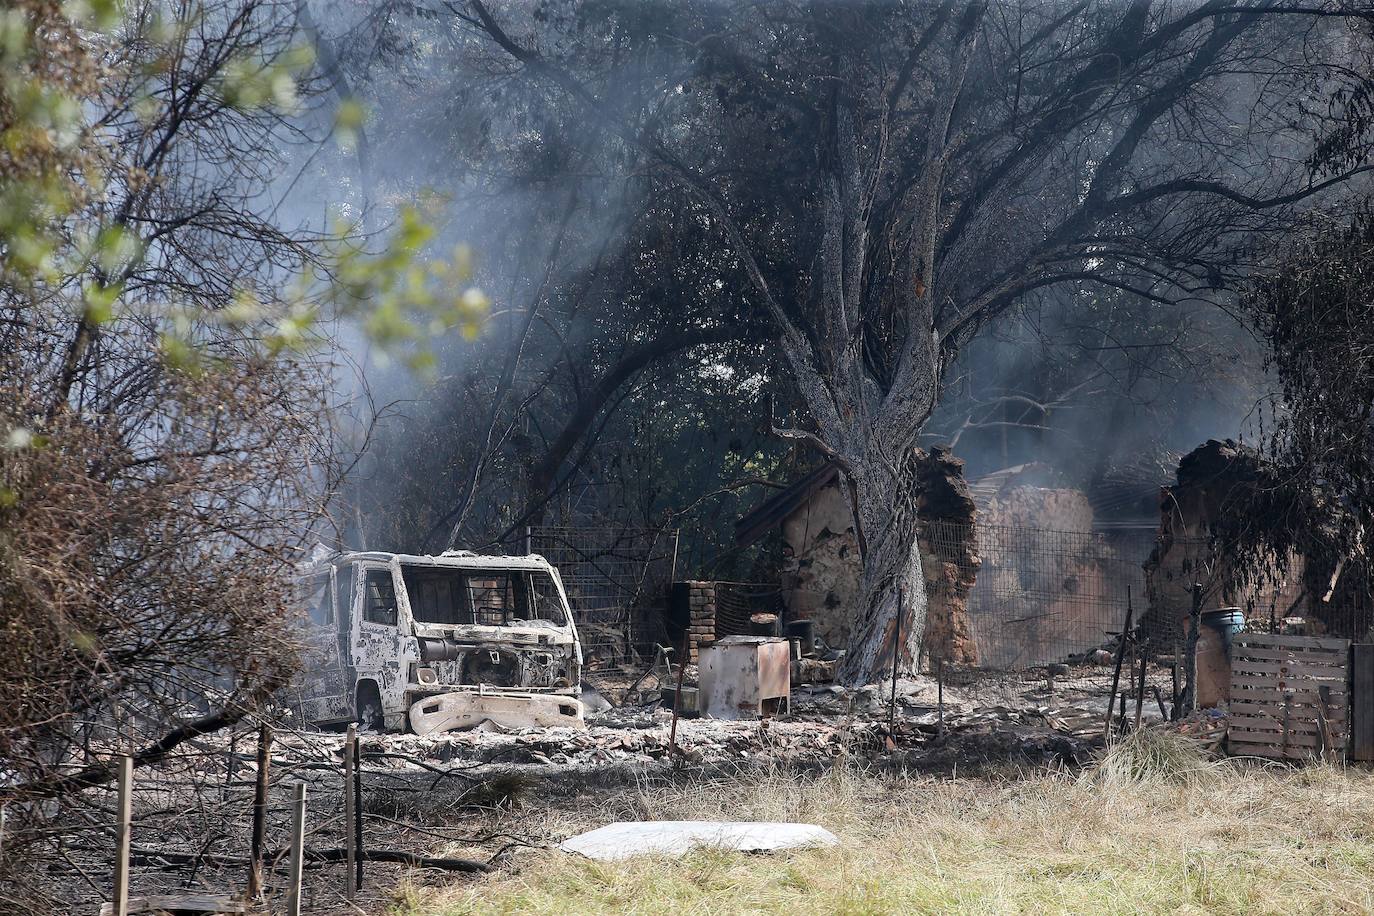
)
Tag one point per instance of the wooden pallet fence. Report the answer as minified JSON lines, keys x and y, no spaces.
{"x":1289,"y":696}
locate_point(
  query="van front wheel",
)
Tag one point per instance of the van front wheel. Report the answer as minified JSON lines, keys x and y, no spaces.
{"x":368,"y":704}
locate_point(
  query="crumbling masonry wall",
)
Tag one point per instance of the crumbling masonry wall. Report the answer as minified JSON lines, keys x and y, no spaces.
{"x":821,"y":563}
{"x":820,"y":566}
{"x":949,"y":556}
{"x":701,"y":617}
{"x":1215,"y":486}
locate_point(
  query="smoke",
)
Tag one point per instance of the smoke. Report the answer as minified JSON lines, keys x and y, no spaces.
{"x":1106,"y":389}
{"x":1103,"y":386}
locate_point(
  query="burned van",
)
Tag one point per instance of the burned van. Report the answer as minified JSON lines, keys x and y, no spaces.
{"x":438,"y":642}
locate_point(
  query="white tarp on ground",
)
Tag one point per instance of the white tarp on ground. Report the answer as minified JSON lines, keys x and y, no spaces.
{"x":673,"y":838}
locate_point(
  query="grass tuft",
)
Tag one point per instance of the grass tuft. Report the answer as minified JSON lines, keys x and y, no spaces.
{"x":1152,"y":755}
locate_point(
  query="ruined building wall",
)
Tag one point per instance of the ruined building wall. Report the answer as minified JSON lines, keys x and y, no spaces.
{"x":1214,"y":482}
{"x":821,"y":563}
{"x":949,"y":557}
{"x":701,"y":617}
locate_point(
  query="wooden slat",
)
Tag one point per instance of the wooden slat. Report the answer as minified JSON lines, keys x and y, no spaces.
{"x":1245,"y":685}
{"x":1272,"y":751}
{"x":1323,"y":656}
{"x":1266,"y":641}
{"x":1275,"y":723}
{"x":1272,"y":705}
{"x":1298,"y":699}
{"x":1294,"y":668}
{"x":1295,"y":724}
{"x":1277,"y":683}
{"x":1295,"y":739}
{"x":1240,"y":709}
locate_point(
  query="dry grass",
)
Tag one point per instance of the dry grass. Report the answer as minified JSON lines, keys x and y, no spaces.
{"x":1153,"y":829}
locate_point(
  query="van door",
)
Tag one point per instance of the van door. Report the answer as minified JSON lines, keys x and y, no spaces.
{"x":378,"y":651}
{"x":325,"y":688}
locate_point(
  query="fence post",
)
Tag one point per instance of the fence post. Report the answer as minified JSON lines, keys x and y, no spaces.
{"x":1140,"y":689}
{"x":259,"y":812}
{"x":229,"y":764}
{"x":940,"y":691}
{"x":358,"y":811}
{"x":1116,"y":672}
{"x":1189,"y":702}
{"x":350,"y":814}
{"x":293,"y":899}
{"x":123,"y":835}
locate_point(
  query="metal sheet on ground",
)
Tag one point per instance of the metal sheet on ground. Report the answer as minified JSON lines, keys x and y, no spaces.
{"x":625,"y":839}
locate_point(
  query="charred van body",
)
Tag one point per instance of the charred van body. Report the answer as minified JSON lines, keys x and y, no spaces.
{"x":392,"y":631}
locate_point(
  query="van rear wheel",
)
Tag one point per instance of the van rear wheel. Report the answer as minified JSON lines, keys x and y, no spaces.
{"x":368,"y":704}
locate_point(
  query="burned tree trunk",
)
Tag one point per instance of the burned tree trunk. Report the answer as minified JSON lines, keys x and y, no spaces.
{"x":886,"y":511}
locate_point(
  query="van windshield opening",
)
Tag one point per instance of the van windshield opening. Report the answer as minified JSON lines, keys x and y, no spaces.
{"x":483,"y":597}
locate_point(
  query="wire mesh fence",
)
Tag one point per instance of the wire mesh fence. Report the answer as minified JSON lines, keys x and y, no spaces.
{"x":1034,"y":598}
{"x":1042,"y":597}
{"x":736,"y":602}
{"x":617,"y":581}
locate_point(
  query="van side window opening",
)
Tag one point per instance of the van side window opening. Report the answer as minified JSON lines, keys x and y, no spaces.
{"x":379,"y":597}
{"x":346,"y":577}
{"x":319,"y":602}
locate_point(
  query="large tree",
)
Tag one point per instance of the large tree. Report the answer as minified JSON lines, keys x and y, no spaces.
{"x":888,"y":178}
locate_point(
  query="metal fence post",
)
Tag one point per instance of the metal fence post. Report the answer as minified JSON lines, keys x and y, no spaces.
{"x":293,"y":899}
{"x":350,"y":812}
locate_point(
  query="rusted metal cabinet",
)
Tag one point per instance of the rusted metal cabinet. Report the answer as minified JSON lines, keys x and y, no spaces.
{"x":745,"y":677}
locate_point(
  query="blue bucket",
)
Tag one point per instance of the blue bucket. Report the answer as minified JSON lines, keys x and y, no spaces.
{"x":1227,"y":621}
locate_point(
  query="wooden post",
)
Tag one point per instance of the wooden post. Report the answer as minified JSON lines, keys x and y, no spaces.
{"x":1189,"y":702}
{"x":677,"y":697}
{"x":1175,"y":711}
{"x":350,"y":814}
{"x":358,"y":811}
{"x":1140,"y":689}
{"x":1116,"y":672}
{"x":293,"y":899}
{"x":123,"y":834}
{"x":259,"y":812}
{"x":1159,"y":698}
{"x":1362,"y":702}
{"x":229,"y":765}
{"x":940,"y":692}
